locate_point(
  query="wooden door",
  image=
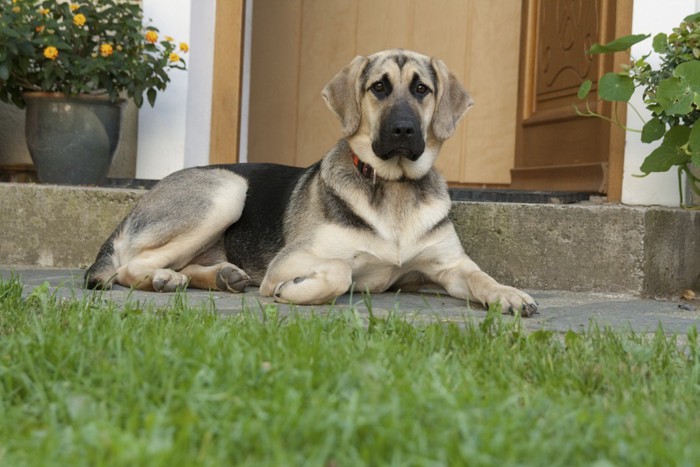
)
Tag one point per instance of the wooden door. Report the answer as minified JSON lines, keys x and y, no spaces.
{"x":228,"y":57}
{"x":299,"y":45}
{"x":557,"y":149}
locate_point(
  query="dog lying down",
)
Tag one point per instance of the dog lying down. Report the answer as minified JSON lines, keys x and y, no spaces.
{"x":371,"y":215}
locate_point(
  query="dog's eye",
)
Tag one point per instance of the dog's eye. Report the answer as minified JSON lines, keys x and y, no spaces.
{"x":422,"y":88}
{"x":381,"y":88}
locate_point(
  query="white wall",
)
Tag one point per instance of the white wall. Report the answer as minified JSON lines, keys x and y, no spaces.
{"x":245,"y":82}
{"x":200,"y":69}
{"x":650,"y":16}
{"x":175,"y":133}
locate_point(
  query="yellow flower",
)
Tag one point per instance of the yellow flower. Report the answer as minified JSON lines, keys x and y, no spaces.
{"x":174,"y":57}
{"x":39,"y":29}
{"x":15,"y":9}
{"x":169,"y":38}
{"x":51,"y":52}
{"x":44,"y":11}
{"x":79,"y":20}
{"x":184,"y":47}
{"x":105,"y":50}
{"x":74,"y":7}
{"x":151,"y":36}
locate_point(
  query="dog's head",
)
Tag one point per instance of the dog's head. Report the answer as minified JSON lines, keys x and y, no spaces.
{"x":396,"y":108}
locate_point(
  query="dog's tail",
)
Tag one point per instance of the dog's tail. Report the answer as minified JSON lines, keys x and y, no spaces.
{"x":103,"y":272}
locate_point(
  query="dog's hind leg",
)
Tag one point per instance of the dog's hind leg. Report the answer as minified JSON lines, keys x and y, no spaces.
{"x":103,"y":272}
{"x":212,"y":271}
{"x":181,"y":220}
{"x":223,"y":276}
{"x":150,"y":271}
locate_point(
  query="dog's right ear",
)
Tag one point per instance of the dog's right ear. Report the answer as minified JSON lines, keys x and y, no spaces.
{"x":342,"y":95}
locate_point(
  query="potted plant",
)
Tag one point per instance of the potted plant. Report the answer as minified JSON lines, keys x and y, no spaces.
{"x":72,"y":65}
{"x":671,"y":93}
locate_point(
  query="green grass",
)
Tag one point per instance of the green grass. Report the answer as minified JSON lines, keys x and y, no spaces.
{"x":87,"y":383}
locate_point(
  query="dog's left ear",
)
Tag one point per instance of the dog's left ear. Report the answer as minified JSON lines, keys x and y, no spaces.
{"x":453,"y":101}
{"x":342,"y":95}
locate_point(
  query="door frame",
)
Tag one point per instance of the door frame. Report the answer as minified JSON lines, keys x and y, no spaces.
{"x":227,"y":82}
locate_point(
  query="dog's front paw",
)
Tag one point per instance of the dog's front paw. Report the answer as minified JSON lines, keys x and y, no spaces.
{"x":512,"y":300}
{"x":232,"y":279}
{"x":167,"y":280}
{"x":279,"y":295}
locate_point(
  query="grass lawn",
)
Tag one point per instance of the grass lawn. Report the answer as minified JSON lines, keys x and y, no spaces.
{"x":86,"y":383}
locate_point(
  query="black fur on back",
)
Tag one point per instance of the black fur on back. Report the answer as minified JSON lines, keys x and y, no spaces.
{"x":254,"y":240}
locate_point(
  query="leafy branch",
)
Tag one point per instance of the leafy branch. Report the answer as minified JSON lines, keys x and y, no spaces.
{"x":671,"y":93}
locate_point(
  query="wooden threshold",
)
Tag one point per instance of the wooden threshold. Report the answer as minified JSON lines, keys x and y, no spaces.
{"x":579,"y":177}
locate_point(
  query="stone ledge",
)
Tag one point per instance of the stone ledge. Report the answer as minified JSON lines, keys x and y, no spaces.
{"x":610,"y":248}
{"x":651,"y":251}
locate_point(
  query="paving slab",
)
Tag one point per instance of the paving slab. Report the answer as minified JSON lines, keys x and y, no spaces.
{"x":559,"y":310}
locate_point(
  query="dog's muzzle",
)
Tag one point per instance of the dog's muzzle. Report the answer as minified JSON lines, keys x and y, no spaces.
{"x":400,"y":134}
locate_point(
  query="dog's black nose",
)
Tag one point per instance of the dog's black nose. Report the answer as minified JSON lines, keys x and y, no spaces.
{"x":399,"y":134}
{"x":403,"y":130}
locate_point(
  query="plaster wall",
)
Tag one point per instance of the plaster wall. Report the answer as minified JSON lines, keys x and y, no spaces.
{"x":161,"y":143}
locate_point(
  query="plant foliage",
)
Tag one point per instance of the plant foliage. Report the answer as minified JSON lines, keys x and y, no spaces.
{"x":671,"y":93}
{"x":88,"y":46}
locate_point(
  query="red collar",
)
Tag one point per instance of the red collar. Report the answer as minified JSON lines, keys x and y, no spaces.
{"x":364,"y":168}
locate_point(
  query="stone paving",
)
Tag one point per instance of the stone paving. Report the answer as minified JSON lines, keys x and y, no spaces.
{"x":559,"y":310}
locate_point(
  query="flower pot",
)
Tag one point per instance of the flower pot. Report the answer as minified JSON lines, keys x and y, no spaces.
{"x":72,"y":140}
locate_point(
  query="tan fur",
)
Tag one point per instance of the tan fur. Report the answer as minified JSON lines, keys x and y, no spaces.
{"x":156,"y":261}
{"x":340,"y":230}
{"x":330,"y":258}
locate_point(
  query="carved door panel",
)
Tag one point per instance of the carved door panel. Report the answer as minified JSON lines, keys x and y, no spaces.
{"x":555,"y":148}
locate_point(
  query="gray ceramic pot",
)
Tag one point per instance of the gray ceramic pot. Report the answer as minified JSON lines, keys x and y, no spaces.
{"x":72,"y":140}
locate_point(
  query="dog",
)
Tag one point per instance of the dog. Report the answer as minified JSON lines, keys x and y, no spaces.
{"x":371,"y":215}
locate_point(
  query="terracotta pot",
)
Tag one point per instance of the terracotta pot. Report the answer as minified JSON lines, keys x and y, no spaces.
{"x":72,"y":140}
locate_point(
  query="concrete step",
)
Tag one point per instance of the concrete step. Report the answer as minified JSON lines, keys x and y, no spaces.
{"x":650,"y":251}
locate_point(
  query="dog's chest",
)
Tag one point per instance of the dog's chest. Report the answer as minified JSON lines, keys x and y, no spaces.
{"x":402,"y":221}
{"x":398,"y":239}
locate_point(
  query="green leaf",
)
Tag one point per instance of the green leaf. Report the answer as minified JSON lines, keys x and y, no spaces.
{"x":689,"y":73}
{"x":674,"y":96}
{"x":615,"y":87}
{"x":663,"y":158}
{"x":694,"y":140}
{"x":692,"y":18}
{"x":152,"y":93}
{"x":653,"y":129}
{"x":696,"y":160}
{"x":618,"y":45}
{"x":660,"y":43}
{"x":669,"y":153}
{"x":584,"y":89}
{"x":677,"y":136}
